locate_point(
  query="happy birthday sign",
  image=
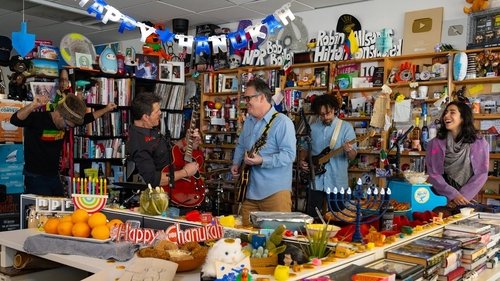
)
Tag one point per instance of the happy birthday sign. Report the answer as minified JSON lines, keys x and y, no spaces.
{"x":330,"y":45}
{"x":238,"y":39}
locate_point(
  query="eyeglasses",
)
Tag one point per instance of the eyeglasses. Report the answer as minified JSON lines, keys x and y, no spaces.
{"x":324,"y":114}
{"x":248,"y":98}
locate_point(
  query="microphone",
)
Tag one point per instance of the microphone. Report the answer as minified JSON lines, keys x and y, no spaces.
{"x":402,"y":137}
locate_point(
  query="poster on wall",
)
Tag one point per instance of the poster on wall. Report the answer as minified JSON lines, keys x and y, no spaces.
{"x":11,"y":167}
{"x":9,"y":132}
{"x":422,"y":30}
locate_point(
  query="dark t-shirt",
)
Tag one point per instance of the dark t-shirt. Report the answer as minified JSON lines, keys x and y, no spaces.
{"x":148,"y":149}
{"x":42,"y":142}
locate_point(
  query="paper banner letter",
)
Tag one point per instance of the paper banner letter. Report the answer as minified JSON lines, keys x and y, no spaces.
{"x":284,"y":12}
{"x":218,"y":42}
{"x":165,"y":35}
{"x":234,"y":40}
{"x":111,"y":14}
{"x":146,"y":30}
{"x":185,"y":41}
{"x":83,"y":2}
{"x":202,"y":45}
{"x":255,"y":33}
{"x":272,"y":23}
{"x":97,"y":8}
{"x":127,"y":23}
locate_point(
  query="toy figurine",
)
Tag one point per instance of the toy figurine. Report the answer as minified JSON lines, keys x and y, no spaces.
{"x":224,"y":257}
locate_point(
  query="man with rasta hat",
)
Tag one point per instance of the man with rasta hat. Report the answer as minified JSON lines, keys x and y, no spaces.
{"x":44,"y":136}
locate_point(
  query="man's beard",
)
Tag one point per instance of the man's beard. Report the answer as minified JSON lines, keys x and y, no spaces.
{"x":327,"y":122}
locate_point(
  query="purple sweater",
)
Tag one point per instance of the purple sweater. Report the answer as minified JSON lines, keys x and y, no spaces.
{"x":480,"y":160}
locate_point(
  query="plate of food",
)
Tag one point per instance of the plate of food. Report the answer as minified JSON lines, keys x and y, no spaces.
{"x":93,"y":240}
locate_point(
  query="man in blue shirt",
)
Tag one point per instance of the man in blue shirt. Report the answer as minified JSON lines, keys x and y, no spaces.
{"x":270,"y":180}
{"x":321,"y":137}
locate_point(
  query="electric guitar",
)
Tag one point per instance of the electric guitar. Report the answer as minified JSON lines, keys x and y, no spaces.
{"x":243,"y":180}
{"x":188,"y":191}
{"x":320,"y":160}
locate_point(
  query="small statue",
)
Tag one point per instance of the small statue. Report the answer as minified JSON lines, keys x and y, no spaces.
{"x":287,"y":260}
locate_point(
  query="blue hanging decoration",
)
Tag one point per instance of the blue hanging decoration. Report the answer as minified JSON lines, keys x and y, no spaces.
{"x":272,"y":24}
{"x":22,"y":41}
{"x":202,"y":45}
{"x":97,"y":8}
{"x":234,"y":40}
{"x":165,"y":35}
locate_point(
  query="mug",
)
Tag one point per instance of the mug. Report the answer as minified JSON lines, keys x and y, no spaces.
{"x":422,"y":92}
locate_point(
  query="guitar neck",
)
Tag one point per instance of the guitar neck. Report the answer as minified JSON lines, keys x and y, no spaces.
{"x":188,"y":155}
{"x":336,"y":151}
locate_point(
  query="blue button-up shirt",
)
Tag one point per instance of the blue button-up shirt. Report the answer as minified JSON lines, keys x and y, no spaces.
{"x":278,"y":154}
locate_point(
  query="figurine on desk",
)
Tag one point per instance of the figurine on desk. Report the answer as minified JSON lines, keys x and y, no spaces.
{"x":457,"y":159}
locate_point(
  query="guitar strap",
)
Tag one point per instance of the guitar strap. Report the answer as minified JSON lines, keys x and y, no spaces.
{"x":335,"y":134}
{"x":263,"y":137}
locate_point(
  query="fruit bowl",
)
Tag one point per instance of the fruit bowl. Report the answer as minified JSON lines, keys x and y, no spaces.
{"x":415,"y":177}
{"x":315,"y":229}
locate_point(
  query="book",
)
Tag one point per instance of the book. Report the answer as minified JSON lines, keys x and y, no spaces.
{"x":448,"y":243}
{"x":453,"y":275}
{"x":469,"y":226}
{"x":464,"y":237}
{"x":475,"y":264}
{"x":362,"y":273}
{"x":421,"y":251}
{"x":403,"y":270}
{"x":472,"y":249}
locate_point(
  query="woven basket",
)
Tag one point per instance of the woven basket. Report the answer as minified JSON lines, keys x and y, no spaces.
{"x":264,"y":265}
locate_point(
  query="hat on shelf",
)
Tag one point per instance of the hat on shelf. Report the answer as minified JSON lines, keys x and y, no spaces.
{"x":5,"y":49}
{"x":72,"y":108}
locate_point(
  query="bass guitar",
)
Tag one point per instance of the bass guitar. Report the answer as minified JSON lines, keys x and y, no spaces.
{"x":319,"y":161}
{"x":188,"y":191}
{"x":243,"y":180}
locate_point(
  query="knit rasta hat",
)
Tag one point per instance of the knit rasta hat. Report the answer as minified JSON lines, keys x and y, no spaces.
{"x":72,"y":108}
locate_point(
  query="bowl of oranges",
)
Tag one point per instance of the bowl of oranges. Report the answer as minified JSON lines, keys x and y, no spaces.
{"x":81,"y":225}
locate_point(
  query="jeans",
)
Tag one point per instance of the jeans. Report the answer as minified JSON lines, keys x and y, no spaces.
{"x":43,"y":185}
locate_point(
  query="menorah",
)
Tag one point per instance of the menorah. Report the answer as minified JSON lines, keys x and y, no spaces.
{"x":363,"y":207}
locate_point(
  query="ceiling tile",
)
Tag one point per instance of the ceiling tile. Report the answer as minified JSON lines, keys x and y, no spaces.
{"x":268,"y":7}
{"x":153,"y":11}
{"x":317,"y":4}
{"x":115,"y":3}
{"x":198,"y":19}
{"x":233,"y":14}
{"x":197,"y":5}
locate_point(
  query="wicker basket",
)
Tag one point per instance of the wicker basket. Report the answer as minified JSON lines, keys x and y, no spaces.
{"x":264,"y":266}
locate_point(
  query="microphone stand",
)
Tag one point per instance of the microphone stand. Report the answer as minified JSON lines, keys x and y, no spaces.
{"x":171,"y":172}
{"x":308,"y":139}
{"x":397,"y":144}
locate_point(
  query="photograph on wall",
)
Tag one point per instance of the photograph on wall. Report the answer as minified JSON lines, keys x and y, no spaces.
{"x":166,"y":72}
{"x":44,"y":67}
{"x":484,"y":29}
{"x":147,"y":67}
{"x":177,"y":71}
{"x":43,"y":89}
{"x":83,"y":60}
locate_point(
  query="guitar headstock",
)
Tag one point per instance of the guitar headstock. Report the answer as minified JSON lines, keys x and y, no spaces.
{"x":366,"y":136}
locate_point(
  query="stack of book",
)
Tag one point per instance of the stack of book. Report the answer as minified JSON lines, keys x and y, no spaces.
{"x":404,"y":271}
{"x":430,"y":252}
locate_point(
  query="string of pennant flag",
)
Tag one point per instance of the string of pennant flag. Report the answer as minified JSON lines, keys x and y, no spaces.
{"x":238,"y":39}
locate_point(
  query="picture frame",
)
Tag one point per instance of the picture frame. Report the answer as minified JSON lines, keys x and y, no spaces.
{"x":484,"y":32}
{"x":229,"y":83}
{"x":165,"y":73}
{"x":177,"y":71}
{"x":83,"y":60}
{"x":402,"y":269}
{"x":44,"y":68}
{"x":147,"y":67}
{"x":44,"y":88}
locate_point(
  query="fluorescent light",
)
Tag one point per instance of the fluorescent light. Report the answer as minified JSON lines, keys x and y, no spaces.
{"x":61,"y":7}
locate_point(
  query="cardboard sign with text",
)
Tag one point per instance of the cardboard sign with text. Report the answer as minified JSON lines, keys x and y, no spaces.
{"x":9,"y":132}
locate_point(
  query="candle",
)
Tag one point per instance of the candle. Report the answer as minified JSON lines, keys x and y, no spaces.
{"x":74,"y":184}
{"x":80,"y":186}
{"x":100,"y":186}
{"x":105,"y":186}
{"x":96,"y":180}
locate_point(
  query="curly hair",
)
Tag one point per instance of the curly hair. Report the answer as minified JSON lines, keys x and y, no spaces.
{"x":468,"y":132}
{"x":327,"y":100}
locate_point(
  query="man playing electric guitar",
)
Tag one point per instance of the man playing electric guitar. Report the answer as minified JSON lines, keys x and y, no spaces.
{"x":149,"y":149}
{"x":270,"y":177}
{"x":328,"y":131}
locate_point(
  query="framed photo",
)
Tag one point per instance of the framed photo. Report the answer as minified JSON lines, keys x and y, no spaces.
{"x":484,"y":29}
{"x":177,"y":71}
{"x":402,"y":269}
{"x":43,"y":89}
{"x":83,"y":60}
{"x":147,"y":67}
{"x":166,"y":72}
{"x":45,"y":67}
{"x":229,"y":83}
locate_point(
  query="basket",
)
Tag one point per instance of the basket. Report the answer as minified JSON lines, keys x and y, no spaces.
{"x":189,"y":265}
{"x":264,"y":265}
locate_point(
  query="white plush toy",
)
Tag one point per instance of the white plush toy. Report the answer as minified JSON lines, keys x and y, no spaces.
{"x":224,"y":257}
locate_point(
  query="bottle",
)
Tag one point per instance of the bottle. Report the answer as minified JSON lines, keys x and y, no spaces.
{"x":393,"y":134}
{"x":415,"y":135}
{"x":417,"y":73}
{"x":100,"y":172}
{"x":323,"y":78}
{"x":387,"y":220}
{"x":120,"y":59}
{"x":232,"y":112}
{"x":425,"y":133}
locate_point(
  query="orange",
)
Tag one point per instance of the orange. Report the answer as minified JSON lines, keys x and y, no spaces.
{"x":100,"y":232}
{"x":64,"y":228}
{"x":97,"y":219}
{"x":50,"y":225}
{"x":80,"y":215}
{"x":114,"y":222}
{"x":81,"y":229}
{"x":66,"y":218}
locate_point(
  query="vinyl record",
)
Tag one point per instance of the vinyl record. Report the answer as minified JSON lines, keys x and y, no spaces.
{"x":76,"y":43}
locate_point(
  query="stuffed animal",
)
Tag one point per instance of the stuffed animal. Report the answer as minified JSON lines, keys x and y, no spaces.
{"x":477,"y":6}
{"x":226,"y":251}
{"x":153,"y":43}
